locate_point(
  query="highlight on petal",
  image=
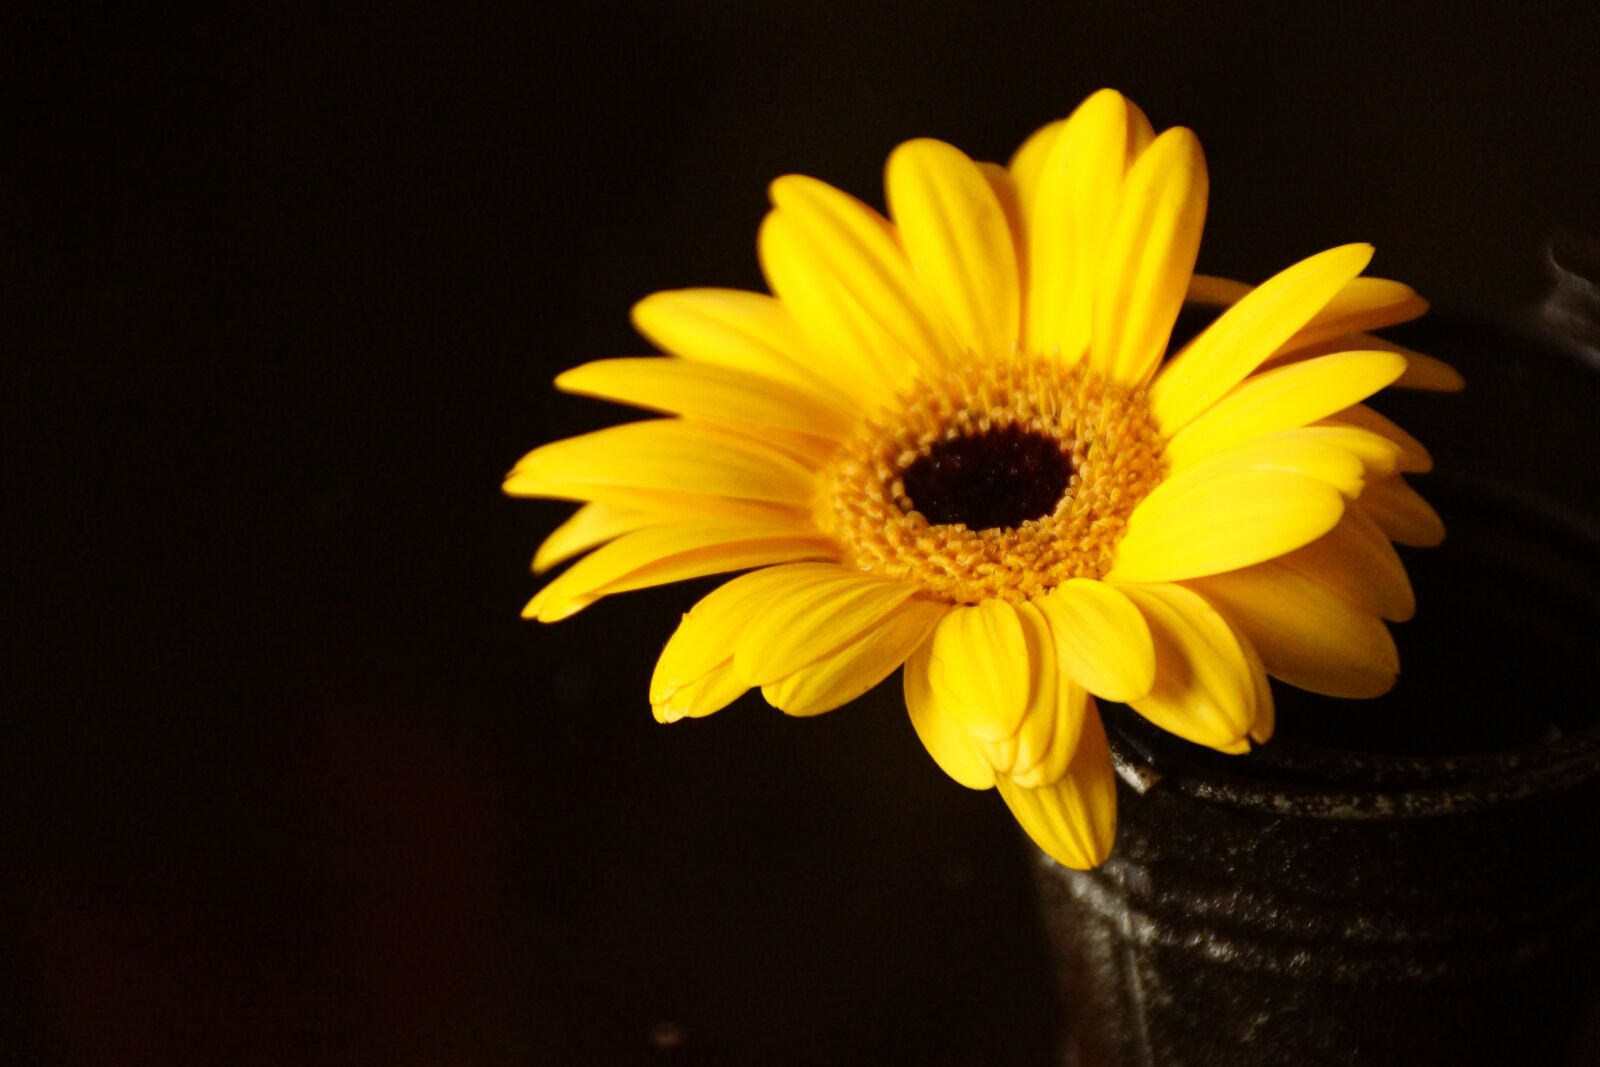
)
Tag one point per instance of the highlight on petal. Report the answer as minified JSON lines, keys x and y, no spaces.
{"x":709,"y":693}
{"x":1305,"y":633}
{"x":839,"y":677}
{"x":1246,"y":334}
{"x":979,"y":670}
{"x":1284,"y":399}
{"x":1149,"y":256}
{"x":707,"y":392}
{"x":1074,"y":821}
{"x":801,"y":624}
{"x":1072,"y":212}
{"x":870,"y":293}
{"x":658,"y":555}
{"x":1101,"y":639}
{"x":942,"y":733}
{"x":1401,"y":513}
{"x":1356,"y":560}
{"x":956,"y":235}
{"x":1202,"y":524}
{"x":1205,"y":691}
{"x":662,"y":454}
{"x":750,"y":332}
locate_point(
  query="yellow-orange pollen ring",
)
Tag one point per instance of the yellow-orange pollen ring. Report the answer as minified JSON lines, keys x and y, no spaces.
{"x":1105,"y":431}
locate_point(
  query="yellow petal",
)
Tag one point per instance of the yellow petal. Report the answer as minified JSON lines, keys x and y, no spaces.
{"x":872,"y":286}
{"x":1140,"y":285}
{"x":1027,"y":163}
{"x":1422,"y":371}
{"x":1248,"y":332}
{"x":663,"y":454}
{"x":590,"y":525}
{"x":710,"y":631}
{"x":1306,"y":634}
{"x":662,"y":554}
{"x":1356,"y":560}
{"x":1265,"y":720}
{"x":955,"y":751}
{"x":1005,"y":192}
{"x":1363,"y":304}
{"x":707,"y":392}
{"x":751,"y":332}
{"x":841,"y":676}
{"x":801,"y":624}
{"x":1191,"y":526}
{"x":1073,"y":211}
{"x":1204,"y":691}
{"x":1401,"y":513}
{"x":1290,"y":451}
{"x":955,"y":232}
{"x":1074,"y":821}
{"x":1039,"y":751}
{"x":1101,"y":639}
{"x":979,"y":668}
{"x":1284,"y":399}
{"x":709,"y":693}
{"x":1378,"y":455}
{"x":1413,"y":458}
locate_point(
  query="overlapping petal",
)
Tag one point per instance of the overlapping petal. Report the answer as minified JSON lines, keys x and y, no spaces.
{"x":1073,"y":820}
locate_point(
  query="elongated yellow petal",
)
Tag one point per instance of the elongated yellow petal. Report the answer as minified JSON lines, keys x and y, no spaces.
{"x":1204,"y":689}
{"x":1356,"y":560}
{"x":1045,"y":729}
{"x":710,"y":631}
{"x":1363,"y":304}
{"x":1074,"y":821}
{"x":590,"y":525}
{"x":1043,"y":746}
{"x":874,"y":289}
{"x":1073,"y":210}
{"x":1101,"y":639}
{"x":1422,"y":371}
{"x":979,"y":668}
{"x":1149,"y":257}
{"x":831,"y":319}
{"x":1401,"y":513}
{"x":709,"y":693}
{"x":1378,"y":455}
{"x":1306,"y":634}
{"x":663,"y":554}
{"x":751,"y":332}
{"x":956,"y":752}
{"x":1284,"y":399}
{"x":707,"y":392}
{"x":801,"y":624}
{"x":1027,"y":163}
{"x":1248,"y":332}
{"x":1191,"y":526}
{"x":1413,"y":458}
{"x":1289,"y":451}
{"x":663,"y":454}
{"x":1265,"y":718}
{"x":1004,"y":187}
{"x":841,"y":676}
{"x":955,"y":232}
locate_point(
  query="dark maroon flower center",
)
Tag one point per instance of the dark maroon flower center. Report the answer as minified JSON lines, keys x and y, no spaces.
{"x":1001,"y":478}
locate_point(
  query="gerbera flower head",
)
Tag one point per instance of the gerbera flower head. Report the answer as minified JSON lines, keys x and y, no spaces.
{"x":954,"y":440}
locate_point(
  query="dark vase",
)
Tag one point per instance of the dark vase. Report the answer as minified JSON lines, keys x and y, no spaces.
{"x":1413,"y":880}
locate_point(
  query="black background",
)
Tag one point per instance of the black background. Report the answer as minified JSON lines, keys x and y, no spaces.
{"x":286,"y":778}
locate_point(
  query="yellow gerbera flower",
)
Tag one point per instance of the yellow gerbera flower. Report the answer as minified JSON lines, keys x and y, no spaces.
{"x":948,"y":441}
